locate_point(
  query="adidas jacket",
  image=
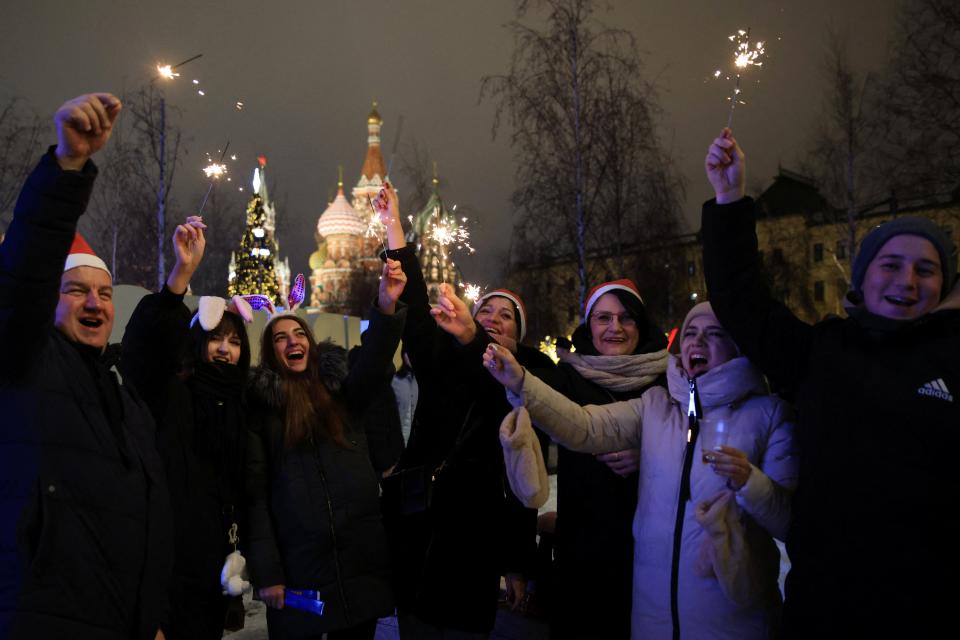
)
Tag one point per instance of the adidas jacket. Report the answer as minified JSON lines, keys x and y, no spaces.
{"x":879,"y":432}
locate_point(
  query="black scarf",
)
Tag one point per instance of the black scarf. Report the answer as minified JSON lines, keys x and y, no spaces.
{"x":220,"y":423}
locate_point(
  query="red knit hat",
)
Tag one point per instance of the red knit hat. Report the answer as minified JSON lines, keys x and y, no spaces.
{"x":512,"y":297}
{"x":81,"y":255}
{"x":624,"y":284}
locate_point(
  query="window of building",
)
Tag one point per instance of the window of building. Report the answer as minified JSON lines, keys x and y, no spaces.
{"x":818,"y":252}
{"x":818,"y":291}
{"x":842,"y":249}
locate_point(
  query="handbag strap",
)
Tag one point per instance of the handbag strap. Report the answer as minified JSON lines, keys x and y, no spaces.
{"x":461,"y":437}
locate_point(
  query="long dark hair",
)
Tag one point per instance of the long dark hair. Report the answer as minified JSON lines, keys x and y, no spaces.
{"x":230,"y":322}
{"x":311,"y":410}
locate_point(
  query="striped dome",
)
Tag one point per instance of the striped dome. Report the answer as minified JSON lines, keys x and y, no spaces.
{"x":340,"y":219}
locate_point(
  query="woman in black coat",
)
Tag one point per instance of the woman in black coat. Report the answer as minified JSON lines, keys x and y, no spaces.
{"x":448,"y":559}
{"x":619,"y":353}
{"x":192,"y":375}
{"x":314,"y":493}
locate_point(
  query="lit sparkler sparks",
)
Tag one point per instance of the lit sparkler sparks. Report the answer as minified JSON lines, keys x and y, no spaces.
{"x":166,"y":71}
{"x":471,"y":292}
{"x":215,"y":170}
{"x":745,"y":56}
{"x":447,"y":232}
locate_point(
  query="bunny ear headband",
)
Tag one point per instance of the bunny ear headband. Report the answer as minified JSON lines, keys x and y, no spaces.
{"x":211,"y":308}
{"x":210,"y":311}
{"x":294,"y":300}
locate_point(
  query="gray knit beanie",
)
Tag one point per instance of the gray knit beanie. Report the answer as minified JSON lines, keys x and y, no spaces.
{"x":909,"y":226}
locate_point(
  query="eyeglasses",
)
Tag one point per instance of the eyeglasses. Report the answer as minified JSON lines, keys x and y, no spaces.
{"x":604,"y":318}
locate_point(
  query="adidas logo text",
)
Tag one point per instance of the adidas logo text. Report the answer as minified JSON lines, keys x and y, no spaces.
{"x":936,"y":389}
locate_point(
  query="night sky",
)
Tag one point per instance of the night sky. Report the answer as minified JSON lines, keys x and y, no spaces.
{"x":307,"y":71}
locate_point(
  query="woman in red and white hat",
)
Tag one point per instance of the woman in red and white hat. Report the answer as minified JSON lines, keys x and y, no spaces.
{"x":619,"y":353}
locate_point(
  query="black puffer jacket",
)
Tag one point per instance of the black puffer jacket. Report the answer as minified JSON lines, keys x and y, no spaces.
{"x":448,"y":563}
{"x":879,"y":429}
{"x":314,"y":508}
{"x":85,"y":536}
{"x":201,"y":436}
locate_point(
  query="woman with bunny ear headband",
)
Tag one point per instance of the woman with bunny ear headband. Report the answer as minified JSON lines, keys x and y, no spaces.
{"x":192,"y":373}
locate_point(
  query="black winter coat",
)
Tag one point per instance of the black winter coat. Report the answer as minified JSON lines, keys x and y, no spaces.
{"x":314,"y":507}
{"x":85,"y":534}
{"x":879,"y":429}
{"x":448,"y":562}
{"x":201,"y":436}
{"x":594,"y":537}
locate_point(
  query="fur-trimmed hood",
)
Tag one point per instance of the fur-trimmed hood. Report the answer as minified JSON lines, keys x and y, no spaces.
{"x":266,"y":387}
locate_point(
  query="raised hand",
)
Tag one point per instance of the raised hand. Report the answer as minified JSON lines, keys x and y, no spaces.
{"x":84,"y":125}
{"x":503,"y":366}
{"x":452,"y":315}
{"x":387,"y":207}
{"x":392,"y":282}
{"x":189,"y":244}
{"x":726,"y":169}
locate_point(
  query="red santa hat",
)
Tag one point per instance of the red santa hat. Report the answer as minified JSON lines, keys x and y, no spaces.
{"x":624,"y":284}
{"x":517,"y":302}
{"x":81,"y":255}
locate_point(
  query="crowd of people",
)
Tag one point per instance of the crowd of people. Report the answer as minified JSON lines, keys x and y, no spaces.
{"x":130,"y":502}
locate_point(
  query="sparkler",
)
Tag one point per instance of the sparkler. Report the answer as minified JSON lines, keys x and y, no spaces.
{"x":373,"y":226}
{"x":744,"y":56}
{"x":450,"y":233}
{"x":214,"y":171}
{"x":471,"y":292}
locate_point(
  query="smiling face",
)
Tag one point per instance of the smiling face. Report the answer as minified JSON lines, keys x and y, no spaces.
{"x":498,"y":317}
{"x":705,"y":344}
{"x":613,"y":330}
{"x":904,"y":280}
{"x":85,"y":309}
{"x":223,"y":345}
{"x":290,"y":345}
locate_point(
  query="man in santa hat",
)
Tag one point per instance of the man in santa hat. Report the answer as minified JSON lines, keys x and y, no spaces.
{"x":85,"y":532}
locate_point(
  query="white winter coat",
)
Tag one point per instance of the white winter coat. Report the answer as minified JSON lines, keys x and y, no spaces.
{"x":745,"y":602}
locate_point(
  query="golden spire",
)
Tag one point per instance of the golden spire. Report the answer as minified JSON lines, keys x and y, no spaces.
{"x":436,"y":180}
{"x":374,"y":117}
{"x":340,"y":176}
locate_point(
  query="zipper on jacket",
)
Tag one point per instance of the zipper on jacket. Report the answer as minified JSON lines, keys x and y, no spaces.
{"x":693,"y":420}
{"x":333,"y":538}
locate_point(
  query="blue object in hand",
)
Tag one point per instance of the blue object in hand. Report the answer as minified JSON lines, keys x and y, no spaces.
{"x":303,"y":599}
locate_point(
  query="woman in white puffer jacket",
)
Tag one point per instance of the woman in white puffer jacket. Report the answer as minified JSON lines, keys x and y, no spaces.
{"x":710,"y":572}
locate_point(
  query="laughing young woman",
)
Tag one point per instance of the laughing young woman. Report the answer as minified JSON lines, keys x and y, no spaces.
{"x":314,"y":492}
{"x":192,"y":375}
{"x":704,"y":561}
{"x":877,"y":396}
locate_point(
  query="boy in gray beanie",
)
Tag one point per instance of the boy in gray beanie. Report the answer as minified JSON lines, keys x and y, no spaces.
{"x":875,"y":240}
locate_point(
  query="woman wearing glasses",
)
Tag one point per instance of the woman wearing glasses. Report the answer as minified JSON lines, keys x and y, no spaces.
{"x":618,"y":354}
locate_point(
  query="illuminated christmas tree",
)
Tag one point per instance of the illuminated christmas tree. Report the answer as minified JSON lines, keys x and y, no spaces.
{"x":253,"y":267}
